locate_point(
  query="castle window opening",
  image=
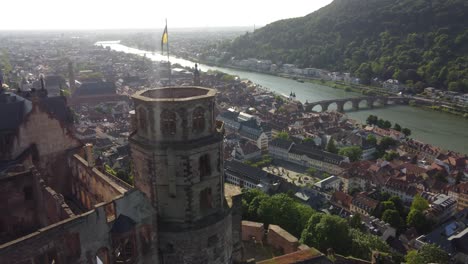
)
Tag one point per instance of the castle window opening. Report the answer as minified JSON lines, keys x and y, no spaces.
{"x":204,"y":165}
{"x":198,"y":120}
{"x":168,"y":122}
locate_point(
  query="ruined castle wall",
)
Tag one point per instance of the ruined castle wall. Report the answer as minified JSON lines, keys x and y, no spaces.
{"x":89,"y":185}
{"x":51,"y":139}
{"x":79,"y":239}
{"x":28,"y":204}
{"x":53,"y":206}
{"x":252,"y":230}
{"x":279,"y":238}
{"x":18,"y":206}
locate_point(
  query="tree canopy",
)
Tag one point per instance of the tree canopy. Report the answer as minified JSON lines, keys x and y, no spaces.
{"x":419,"y":203}
{"x":354,"y":153}
{"x":331,"y":146}
{"x":420,"y":43}
{"x":282,"y":135}
{"x":315,"y":229}
{"x":429,"y":253}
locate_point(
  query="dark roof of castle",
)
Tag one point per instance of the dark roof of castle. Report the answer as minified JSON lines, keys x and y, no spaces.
{"x":123,"y":224}
{"x":11,"y":115}
{"x":57,"y":106}
{"x":13,"y":110}
{"x":95,"y":88}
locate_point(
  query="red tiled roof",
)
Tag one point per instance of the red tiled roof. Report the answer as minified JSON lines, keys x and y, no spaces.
{"x":342,"y":198}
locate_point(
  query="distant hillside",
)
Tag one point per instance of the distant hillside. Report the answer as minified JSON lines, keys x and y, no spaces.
{"x":419,"y":42}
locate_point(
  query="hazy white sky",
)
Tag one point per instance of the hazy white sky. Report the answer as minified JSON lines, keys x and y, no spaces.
{"x":111,"y":14}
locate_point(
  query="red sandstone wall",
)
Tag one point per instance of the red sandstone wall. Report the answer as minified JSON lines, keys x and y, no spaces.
{"x":252,"y":229}
{"x":52,"y":139}
{"x":47,"y":133}
{"x":90,"y":186}
{"x":55,"y":209}
{"x":19,"y":214}
{"x":279,"y":240}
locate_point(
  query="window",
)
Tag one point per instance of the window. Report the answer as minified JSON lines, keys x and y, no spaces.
{"x":206,"y":200}
{"x":198,"y":120}
{"x":204,"y":166}
{"x":168,"y":122}
{"x":142,"y":117}
{"x":125,"y":252}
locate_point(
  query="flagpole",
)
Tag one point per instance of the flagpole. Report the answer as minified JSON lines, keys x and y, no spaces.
{"x":168,"y":60}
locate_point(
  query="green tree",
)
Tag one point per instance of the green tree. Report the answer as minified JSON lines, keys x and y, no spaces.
{"x":372,"y":120}
{"x":354,"y":153}
{"x":429,"y":253}
{"x":364,"y":244}
{"x":389,"y":156}
{"x":398,"y":204}
{"x":283,"y":135}
{"x":381,"y":123}
{"x":279,"y":209}
{"x":311,"y":171}
{"x":397,"y":127}
{"x":331,"y":146}
{"x":371,"y":140}
{"x":387,"y":142}
{"x":327,"y":231}
{"x":356,"y":222}
{"x":418,"y":220}
{"x":393,"y":218}
{"x":387,"y":124}
{"x":384,"y":206}
{"x":419,"y":203}
{"x":406,"y":132}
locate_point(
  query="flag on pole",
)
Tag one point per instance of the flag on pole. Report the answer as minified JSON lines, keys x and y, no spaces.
{"x":164,"y":39}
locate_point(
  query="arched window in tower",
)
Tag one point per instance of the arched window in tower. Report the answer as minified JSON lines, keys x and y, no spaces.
{"x":142,"y":117}
{"x":198,"y":120}
{"x":168,"y":122}
{"x":204,"y":166}
{"x":206,"y":200}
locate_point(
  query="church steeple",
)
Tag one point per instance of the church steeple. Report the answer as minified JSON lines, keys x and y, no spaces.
{"x":196,"y":76}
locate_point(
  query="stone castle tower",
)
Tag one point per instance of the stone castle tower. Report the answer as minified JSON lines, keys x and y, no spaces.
{"x":177,"y":150}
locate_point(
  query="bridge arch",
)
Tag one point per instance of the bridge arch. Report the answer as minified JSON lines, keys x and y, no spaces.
{"x":349,"y":105}
{"x":331,"y":106}
{"x":314,"y":108}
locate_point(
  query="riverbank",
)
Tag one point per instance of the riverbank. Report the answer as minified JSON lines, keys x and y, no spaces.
{"x":346,"y":87}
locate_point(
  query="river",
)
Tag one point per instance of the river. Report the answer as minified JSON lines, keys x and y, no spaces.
{"x":440,"y":129}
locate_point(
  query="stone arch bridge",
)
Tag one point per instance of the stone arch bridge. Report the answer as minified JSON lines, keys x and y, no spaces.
{"x":370,"y":101}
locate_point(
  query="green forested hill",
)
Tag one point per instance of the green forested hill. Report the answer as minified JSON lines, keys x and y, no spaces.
{"x":419,"y":42}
